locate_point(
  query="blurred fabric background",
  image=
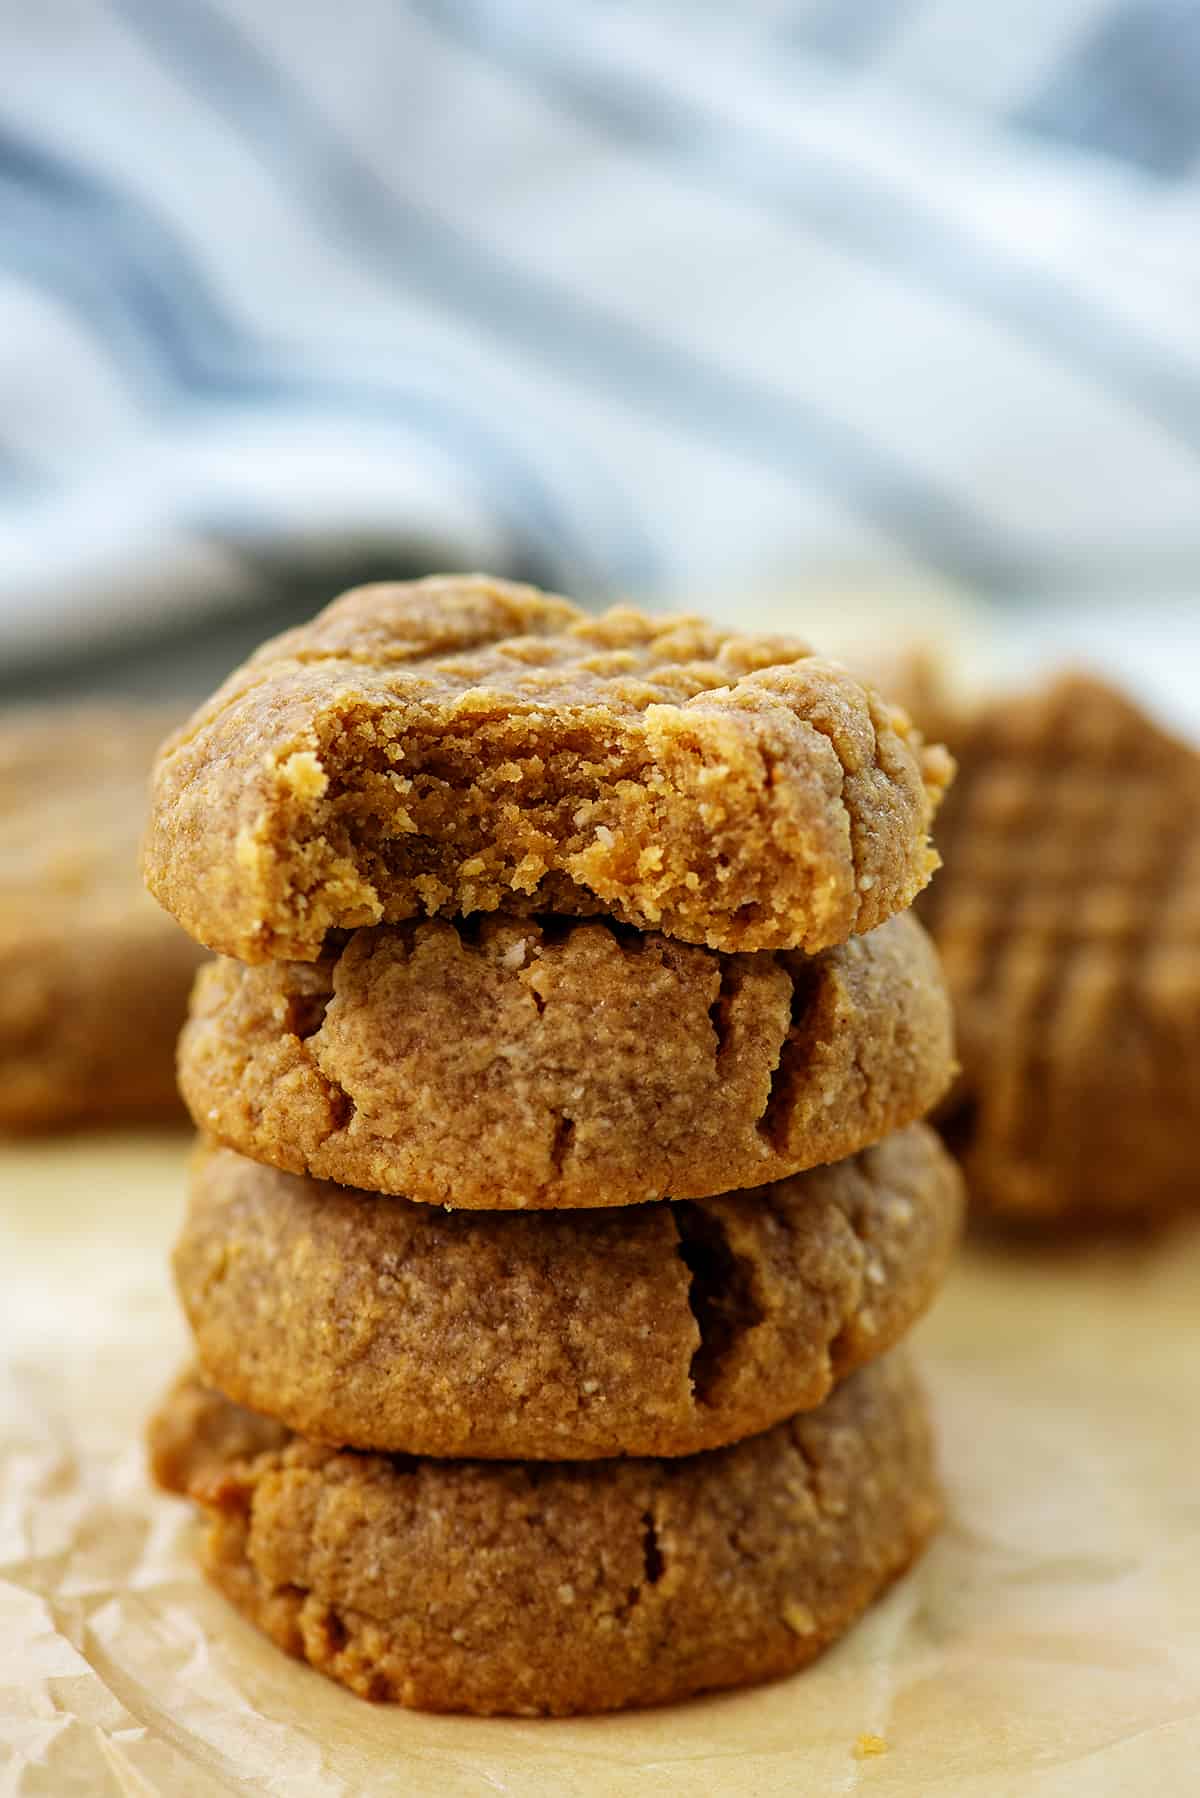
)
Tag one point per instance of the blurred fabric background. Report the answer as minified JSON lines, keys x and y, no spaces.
{"x":654,"y":297}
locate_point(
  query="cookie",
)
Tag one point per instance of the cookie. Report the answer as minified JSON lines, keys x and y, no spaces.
{"x":556,"y":1587}
{"x":548,"y":1063}
{"x":458,"y":745}
{"x":1068,"y":917}
{"x":655,"y":1330}
{"x":93,"y":977}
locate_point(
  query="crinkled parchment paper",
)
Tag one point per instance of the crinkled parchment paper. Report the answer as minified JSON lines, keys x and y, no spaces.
{"x":1050,"y":1644}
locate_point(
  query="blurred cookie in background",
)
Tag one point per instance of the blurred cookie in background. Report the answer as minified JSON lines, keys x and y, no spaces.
{"x":94,"y":977}
{"x":1067,"y":913}
{"x":1067,"y":908}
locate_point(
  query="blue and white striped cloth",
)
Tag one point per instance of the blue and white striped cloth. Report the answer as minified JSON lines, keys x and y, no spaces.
{"x":650,"y":295}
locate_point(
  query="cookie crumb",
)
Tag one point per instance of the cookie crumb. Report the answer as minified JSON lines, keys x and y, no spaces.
{"x":303,"y":773}
{"x":868,"y":1746}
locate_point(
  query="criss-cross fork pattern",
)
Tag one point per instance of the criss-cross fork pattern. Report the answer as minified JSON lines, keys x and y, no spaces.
{"x":1068,"y":918}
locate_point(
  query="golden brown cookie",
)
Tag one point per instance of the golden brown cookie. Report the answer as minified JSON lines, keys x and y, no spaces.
{"x":549,"y":1063}
{"x":459,"y":744}
{"x":655,"y":1330}
{"x":1068,"y":917}
{"x":93,"y":978}
{"x":553,"y":1588}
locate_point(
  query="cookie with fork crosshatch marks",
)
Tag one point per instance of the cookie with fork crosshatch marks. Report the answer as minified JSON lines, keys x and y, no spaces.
{"x":1067,"y":914}
{"x":460,"y":744}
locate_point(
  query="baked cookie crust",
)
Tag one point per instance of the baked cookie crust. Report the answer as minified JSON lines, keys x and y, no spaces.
{"x":655,"y":1330}
{"x":93,"y":978}
{"x":498,"y":1587}
{"x":550,"y":1063}
{"x":1068,"y":920}
{"x":461,"y":744}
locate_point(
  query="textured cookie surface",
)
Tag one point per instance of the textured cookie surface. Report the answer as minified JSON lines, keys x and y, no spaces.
{"x":655,"y":1330}
{"x":93,"y":978}
{"x":546,"y":1063}
{"x":458,"y":745}
{"x":560,"y":1587}
{"x":1068,"y":917}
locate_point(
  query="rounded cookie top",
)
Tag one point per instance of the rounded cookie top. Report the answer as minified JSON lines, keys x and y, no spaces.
{"x":549,"y":1063}
{"x":657,"y":1330}
{"x":93,"y":978}
{"x":459,"y":744}
{"x":498,"y":1587}
{"x":1068,"y":918}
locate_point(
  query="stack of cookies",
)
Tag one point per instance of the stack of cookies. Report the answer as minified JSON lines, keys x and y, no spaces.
{"x":561,"y":1193}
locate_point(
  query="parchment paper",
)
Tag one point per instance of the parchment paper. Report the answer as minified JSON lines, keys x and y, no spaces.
{"x":1050,"y":1644}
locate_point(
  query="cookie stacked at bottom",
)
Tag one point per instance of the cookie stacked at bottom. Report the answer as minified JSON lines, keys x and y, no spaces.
{"x":508,"y":1402}
{"x":554,"y":1588}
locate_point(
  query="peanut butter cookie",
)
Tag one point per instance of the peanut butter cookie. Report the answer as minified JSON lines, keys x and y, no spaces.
{"x":657,"y":1330}
{"x":555,"y":1588}
{"x":1068,"y":917}
{"x":458,"y":745}
{"x":550,"y":1063}
{"x":93,"y":978}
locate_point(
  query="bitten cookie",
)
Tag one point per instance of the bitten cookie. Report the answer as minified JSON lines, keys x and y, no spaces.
{"x":545,"y":1063}
{"x":459,"y":744}
{"x":1068,"y":918}
{"x":656,"y":1330}
{"x":559,"y":1588}
{"x":93,"y":978}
